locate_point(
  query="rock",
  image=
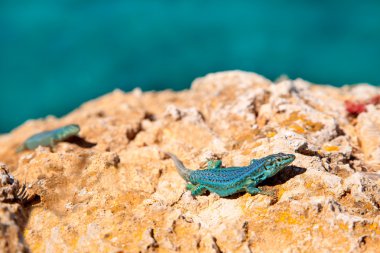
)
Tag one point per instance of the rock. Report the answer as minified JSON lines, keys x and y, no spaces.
{"x":12,"y":216}
{"x":124,"y":194}
{"x":364,"y":188}
{"x":368,"y":131}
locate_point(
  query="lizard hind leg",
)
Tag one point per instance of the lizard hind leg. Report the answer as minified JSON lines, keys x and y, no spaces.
{"x":190,"y":186}
{"x":196,"y":189}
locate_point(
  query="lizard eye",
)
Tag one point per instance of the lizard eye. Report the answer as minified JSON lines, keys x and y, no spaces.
{"x":268,"y":165}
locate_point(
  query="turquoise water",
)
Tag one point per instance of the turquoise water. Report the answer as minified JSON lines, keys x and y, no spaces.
{"x":57,"y":54}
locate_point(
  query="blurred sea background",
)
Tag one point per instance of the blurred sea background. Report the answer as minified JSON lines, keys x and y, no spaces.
{"x":55,"y":55}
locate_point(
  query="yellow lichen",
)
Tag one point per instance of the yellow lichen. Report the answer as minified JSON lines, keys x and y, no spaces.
{"x":312,"y":126}
{"x":271,"y":134}
{"x":297,"y":128}
{"x":90,"y":210}
{"x":139,"y":232}
{"x":375,"y":227}
{"x":286,"y":217}
{"x":214,"y":103}
{"x":299,"y":123}
{"x":308,"y":184}
{"x":330,"y":148}
{"x":35,"y":247}
{"x":343,"y":226}
{"x":73,"y":241}
{"x":280,"y":193}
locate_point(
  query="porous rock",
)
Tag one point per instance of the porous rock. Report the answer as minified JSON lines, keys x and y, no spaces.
{"x":124,"y":194}
{"x":12,"y":215}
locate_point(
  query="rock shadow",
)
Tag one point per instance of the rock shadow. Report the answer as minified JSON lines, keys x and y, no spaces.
{"x":280,"y":178}
{"x":81,"y":142}
{"x":283,"y":176}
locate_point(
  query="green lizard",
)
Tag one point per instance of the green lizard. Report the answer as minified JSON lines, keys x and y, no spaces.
{"x":227,"y":181}
{"x":50,"y":138}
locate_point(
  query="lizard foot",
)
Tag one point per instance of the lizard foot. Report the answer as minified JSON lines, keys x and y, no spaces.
{"x":253,"y":190}
{"x":197,"y":190}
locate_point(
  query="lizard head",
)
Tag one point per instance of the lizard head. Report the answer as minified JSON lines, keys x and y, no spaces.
{"x":275,"y":163}
{"x":66,"y":131}
{"x":72,"y":129}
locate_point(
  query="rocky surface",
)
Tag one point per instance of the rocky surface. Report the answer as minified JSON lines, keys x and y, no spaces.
{"x":12,"y":214}
{"x":124,"y":194}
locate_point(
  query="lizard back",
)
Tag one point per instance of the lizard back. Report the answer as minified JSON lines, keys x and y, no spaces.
{"x":230,"y":176}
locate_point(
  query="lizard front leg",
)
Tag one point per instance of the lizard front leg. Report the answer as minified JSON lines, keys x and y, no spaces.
{"x":253,"y":190}
{"x":52,"y":142}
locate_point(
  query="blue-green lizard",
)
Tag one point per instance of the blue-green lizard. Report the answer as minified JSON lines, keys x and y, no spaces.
{"x":227,"y":181}
{"x":50,"y":138}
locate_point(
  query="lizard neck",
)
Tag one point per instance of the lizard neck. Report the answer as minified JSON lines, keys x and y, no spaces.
{"x":257,"y":172}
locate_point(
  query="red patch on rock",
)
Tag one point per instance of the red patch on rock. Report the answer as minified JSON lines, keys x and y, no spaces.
{"x":356,"y":108}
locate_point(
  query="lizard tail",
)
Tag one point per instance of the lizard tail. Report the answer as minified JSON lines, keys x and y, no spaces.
{"x":182,"y":170}
{"x":20,"y":149}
